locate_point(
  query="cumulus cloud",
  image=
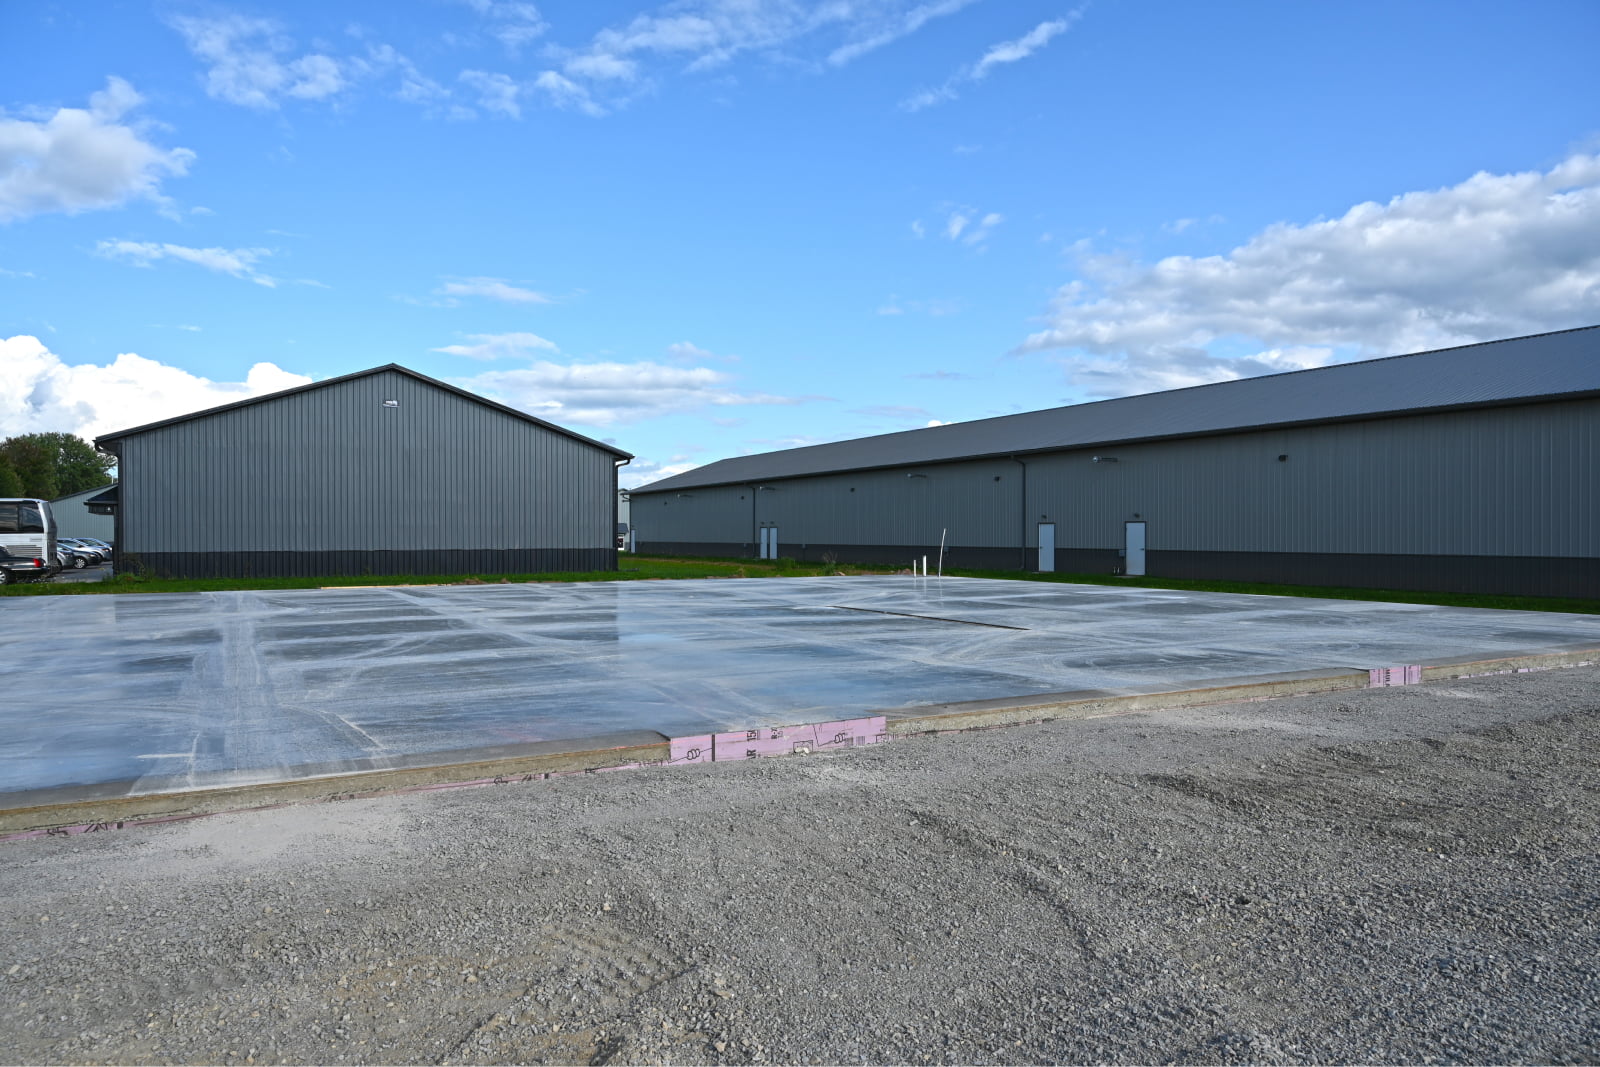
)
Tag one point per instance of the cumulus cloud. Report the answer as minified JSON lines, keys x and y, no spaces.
{"x":46,"y":394}
{"x":1498,"y":255}
{"x":251,"y":62}
{"x":500,"y":346}
{"x":999,"y":55}
{"x":491,"y":288}
{"x":600,"y":394}
{"x":82,"y":160}
{"x":239,"y":262}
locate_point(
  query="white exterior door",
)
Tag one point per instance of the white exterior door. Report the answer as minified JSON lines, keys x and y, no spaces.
{"x":1133,"y":549}
{"x":1047,"y":546}
{"x":769,"y":542}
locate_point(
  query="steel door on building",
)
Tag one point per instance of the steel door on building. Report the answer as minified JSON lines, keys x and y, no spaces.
{"x":769,"y":542}
{"x":1047,"y":546}
{"x":1133,"y":548}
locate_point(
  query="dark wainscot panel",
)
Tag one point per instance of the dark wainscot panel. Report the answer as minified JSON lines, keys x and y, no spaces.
{"x":354,"y":563}
{"x":1505,"y":575}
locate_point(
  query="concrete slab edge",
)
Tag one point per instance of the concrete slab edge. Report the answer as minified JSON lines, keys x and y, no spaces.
{"x":108,"y":813}
{"x":988,"y":714}
{"x":1028,"y":710}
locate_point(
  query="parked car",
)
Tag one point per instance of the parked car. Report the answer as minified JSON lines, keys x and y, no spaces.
{"x":83,"y":544}
{"x":104,"y":546}
{"x":75,"y":558}
{"x":20,"y":568}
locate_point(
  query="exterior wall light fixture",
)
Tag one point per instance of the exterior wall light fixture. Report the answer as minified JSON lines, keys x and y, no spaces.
{"x":1105,"y":459}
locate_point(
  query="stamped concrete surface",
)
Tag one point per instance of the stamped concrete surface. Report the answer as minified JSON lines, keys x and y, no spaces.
{"x":153,"y":693}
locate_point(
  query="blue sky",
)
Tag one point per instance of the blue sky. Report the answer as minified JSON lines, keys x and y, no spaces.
{"x":702,"y":229}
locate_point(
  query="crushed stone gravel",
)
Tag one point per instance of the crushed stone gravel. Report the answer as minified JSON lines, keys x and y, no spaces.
{"x":1378,"y":876}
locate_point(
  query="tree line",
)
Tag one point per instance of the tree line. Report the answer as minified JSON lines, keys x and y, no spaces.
{"x":48,"y":465}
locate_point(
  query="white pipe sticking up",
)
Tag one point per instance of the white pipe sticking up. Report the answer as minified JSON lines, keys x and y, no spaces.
{"x":941,"y":550}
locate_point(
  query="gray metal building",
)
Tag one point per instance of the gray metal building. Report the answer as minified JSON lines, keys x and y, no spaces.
{"x":385,"y":471}
{"x":1472,"y":469}
{"x":75,"y":519}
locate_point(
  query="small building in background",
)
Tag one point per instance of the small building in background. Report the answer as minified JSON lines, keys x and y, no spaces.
{"x":76,"y":517}
{"x":385,"y":471}
{"x":1473,"y":469}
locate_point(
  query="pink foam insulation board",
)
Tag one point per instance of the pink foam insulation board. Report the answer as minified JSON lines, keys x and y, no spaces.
{"x":792,"y":740}
{"x":1379,"y":677}
{"x":696,"y":749}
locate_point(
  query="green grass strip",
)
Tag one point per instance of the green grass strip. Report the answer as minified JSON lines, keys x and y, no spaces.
{"x":658,"y":568}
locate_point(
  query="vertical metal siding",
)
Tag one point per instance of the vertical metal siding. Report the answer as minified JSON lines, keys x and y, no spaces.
{"x":1501,"y":482}
{"x":1510,"y":481}
{"x":978,"y":503}
{"x":333,"y":469}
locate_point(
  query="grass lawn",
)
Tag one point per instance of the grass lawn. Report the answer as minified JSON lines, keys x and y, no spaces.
{"x":655,"y":568}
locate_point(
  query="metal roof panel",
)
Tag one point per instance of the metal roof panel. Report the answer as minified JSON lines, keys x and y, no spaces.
{"x":1541,"y":366}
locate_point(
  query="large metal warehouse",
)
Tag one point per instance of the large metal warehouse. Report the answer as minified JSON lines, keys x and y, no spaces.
{"x":1470,"y":469}
{"x":385,"y":471}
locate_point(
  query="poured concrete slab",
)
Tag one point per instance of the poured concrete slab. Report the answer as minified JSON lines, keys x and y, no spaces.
{"x":140,"y":694}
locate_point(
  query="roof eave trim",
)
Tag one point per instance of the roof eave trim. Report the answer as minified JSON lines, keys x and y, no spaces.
{"x":104,"y":440}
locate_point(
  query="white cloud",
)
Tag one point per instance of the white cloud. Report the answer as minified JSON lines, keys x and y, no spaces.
{"x":643,"y":471}
{"x":500,"y":345}
{"x":602,"y":68}
{"x":869,"y":36}
{"x":1024,"y":46}
{"x":1497,"y":255}
{"x":960,"y":225}
{"x":511,"y":23}
{"x":46,"y":394}
{"x":565,"y":93}
{"x":239,"y":262}
{"x":998,"y":55}
{"x":702,"y":35}
{"x":497,"y":93}
{"x":599,"y":394}
{"x":492,"y":288}
{"x":82,"y":160}
{"x":248,"y":61}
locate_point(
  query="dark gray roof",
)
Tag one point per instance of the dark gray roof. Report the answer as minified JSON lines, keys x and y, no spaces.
{"x":1543,"y":366}
{"x":104,"y":439}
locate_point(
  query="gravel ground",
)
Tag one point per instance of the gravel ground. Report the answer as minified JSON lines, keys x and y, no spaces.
{"x":1402,"y":875}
